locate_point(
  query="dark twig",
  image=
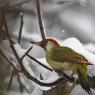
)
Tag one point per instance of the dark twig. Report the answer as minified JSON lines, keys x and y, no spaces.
{"x":68,"y":78}
{"x":6,"y":28}
{"x":39,"y":14}
{"x":1,"y":22}
{"x":26,"y":52}
{"x":11,"y":79}
{"x":39,"y":62}
{"x":21,"y":27}
{"x":21,"y":85}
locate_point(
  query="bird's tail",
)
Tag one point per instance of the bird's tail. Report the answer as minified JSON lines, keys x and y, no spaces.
{"x":84,"y":84}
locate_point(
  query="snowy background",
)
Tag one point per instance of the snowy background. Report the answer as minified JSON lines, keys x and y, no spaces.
{"x":72,"y":23}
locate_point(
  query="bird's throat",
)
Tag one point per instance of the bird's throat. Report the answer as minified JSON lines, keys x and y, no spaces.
{"x":49,"y":46}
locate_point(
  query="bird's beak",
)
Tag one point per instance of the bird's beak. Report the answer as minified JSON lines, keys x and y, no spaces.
{"x":41,"y":44}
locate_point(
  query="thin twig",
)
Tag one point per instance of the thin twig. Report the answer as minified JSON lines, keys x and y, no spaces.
{"x":21,"y":27}
{"x":6,"y":28}
{"x":1,"y":22}
{"x":41,"y":26}
{"x":26,"y":52}
{"x":68,"y":78}
{"x":39,"y":62}
{"x":21,"y":85}
{"x":11,"y":79}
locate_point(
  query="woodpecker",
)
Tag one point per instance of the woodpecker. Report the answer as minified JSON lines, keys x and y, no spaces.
{"x":64,"y":58}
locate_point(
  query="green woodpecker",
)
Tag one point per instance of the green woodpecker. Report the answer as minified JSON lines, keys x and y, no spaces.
{"x":64,"y":58}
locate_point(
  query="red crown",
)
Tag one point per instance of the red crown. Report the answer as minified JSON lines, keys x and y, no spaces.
{"x":54,"y":42}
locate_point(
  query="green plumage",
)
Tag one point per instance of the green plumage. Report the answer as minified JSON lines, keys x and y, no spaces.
{"x":64,"y":58}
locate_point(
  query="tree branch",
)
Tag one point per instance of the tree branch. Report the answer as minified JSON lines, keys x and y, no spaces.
{"x":39,"y":62}
{"x":1,"y":22}
{"x":26,"y":52}
{"x":11,"y":79}
{"x":21,"y":27}
{"x":39,"y":15}
{"x":22,"y":86}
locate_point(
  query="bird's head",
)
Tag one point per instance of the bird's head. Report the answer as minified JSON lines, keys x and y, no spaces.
{"x":47,"y":43}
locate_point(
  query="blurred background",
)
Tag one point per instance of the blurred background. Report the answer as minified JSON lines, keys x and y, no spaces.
{"x":62,"y":19}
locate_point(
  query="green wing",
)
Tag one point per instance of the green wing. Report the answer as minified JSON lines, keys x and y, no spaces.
{"x":65,"y":54}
